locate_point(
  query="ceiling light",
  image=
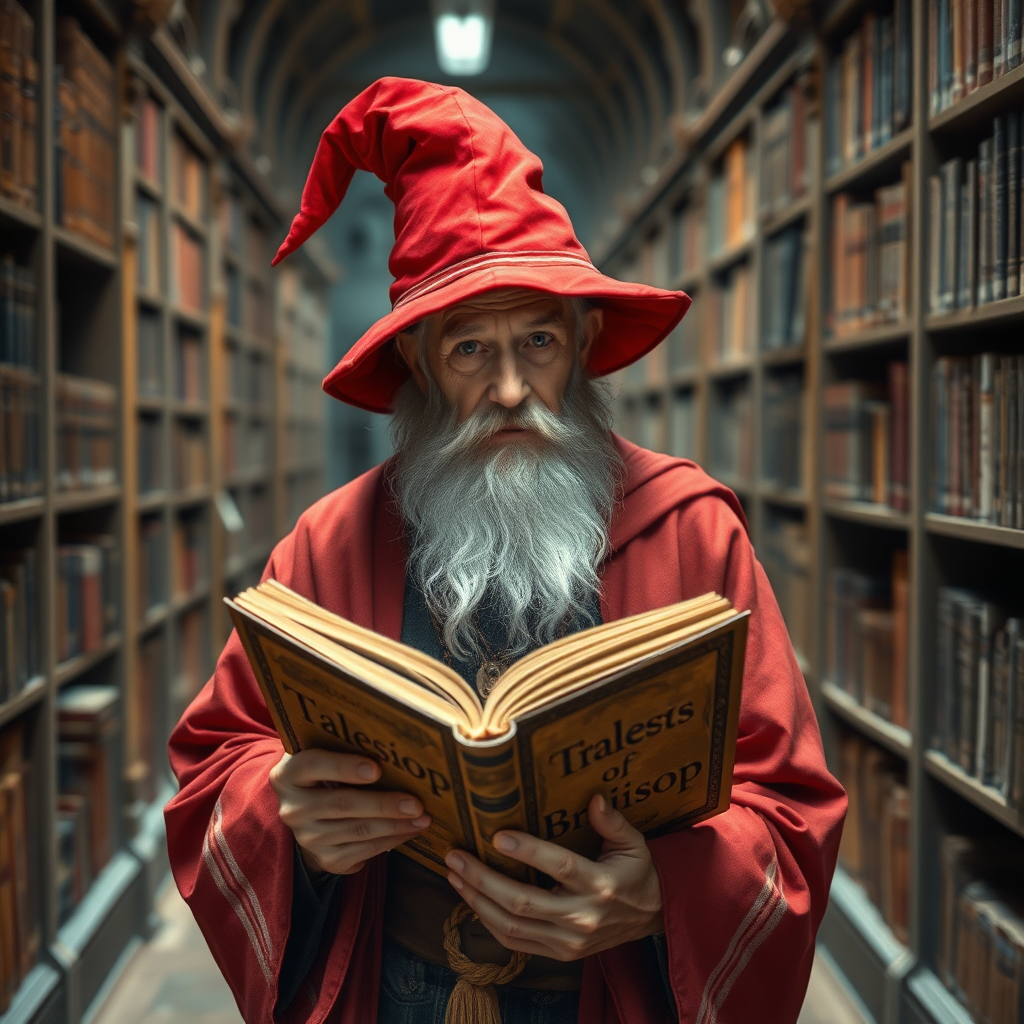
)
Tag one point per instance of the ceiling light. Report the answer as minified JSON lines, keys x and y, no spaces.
{"x":462,"y":35}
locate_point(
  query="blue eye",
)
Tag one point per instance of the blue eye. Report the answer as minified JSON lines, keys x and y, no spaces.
{"x":467,"y":348}
{"x":540,"y":340}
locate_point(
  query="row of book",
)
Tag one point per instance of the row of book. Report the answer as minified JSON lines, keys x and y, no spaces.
{"x":981,"y":926}
{"x":148,"y":248}
{"x":644,"y":418}
{"x":867,"y":439}
{"x":970,"y":43}
{"x":19,"y":106}
{"x":730,"y":315}
{"x":249,"y":523}
{"x":979,"y":699}
{"x":783,"y":321}
{"x":732,"y":435}
{"x":786,"y":556}
{"x":88,"y":733}
{"x":978,"y":456}
{"x":188,"y":178}
{"x":189,"y":455}
{"x":870,"y":253}
{"x":868,"y":87}
{"x":248,"y":305}
{"x":975,"y":223}
{"x":732,"y":204}
{"x":150,"y":447}
{"x":304,"y":392}
{"x":87,"y":590}
{"x":20,"y":458}
{"x":866,"y":619}
{"x":304,"y":445}
{"x":20,"y":903}
{"x":783,"y":451}
{"x":189,"y":554}
{"x":190,"y":669}
{"x":249,"y":380}
{"x":875,"y":846}
{"x":19,"y":345}
{"x":784,"y":168}
{"x":245,"y":447}
{"x":19,"y":629}
{"x":86,"y":130}
{"x":86,"y":432}
{"x":150,"y":354}
{"x":152,"y":566}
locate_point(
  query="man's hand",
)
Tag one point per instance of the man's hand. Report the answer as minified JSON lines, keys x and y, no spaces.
{"x":595,"y":905}
{"x":339,"y":827}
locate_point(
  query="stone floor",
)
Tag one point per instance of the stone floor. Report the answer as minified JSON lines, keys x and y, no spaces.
{"x":173,"y":979}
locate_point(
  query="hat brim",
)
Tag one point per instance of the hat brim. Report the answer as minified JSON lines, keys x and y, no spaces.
{"x":636,"y":318}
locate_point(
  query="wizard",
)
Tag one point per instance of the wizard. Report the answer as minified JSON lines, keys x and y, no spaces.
{"x":510,"y":515}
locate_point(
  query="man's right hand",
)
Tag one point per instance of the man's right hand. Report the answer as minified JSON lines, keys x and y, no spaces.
{"x":338,"y":826}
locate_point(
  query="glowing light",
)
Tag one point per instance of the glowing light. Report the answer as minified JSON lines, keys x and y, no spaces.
{"x":463,"y":42}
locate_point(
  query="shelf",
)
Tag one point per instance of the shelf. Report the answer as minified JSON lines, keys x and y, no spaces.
{"x":82,"y":249}
{"x":784,"y":496}
{"x":874,"y":168}
{"x":980,"y":106}
{"x":148,"y":185}
{"x":80,"y":501}
{"x":775,"y":220}
{"x":40,"y":987}
{"x":689,"y":281}
{"x":866,"y":513}
{"x":153,"y":617}
{"x":21,"y":216}
{"x":742,"y":488}
{"x":149,"y":298}
{"x":29,"y":695}
{"x":894,"y":738}
{"x":869,"y":337}
{"x":151,"y":501}
{"x":724,"y":371}
{"x":249,"y":477}
{"x":936,"y":1000}
{"x":677,"y":379}
{"x":80,"y":663}
{"x":23,"y":508}
{"x":727,"y":257}
{"x":971,"y":529}
{"x":196,"y":226}
{"x":785,"y":356}
{"x":992,"y":314}
{"x":190,"y":317}
{"x":985,"y":798}
{"x":150,"y":403}
{"x":194,"y":496}
{"x":183,"y":602}
{"x":189,"y":410}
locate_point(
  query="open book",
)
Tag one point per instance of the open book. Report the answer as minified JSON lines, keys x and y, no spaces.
{"x":642,"y":709}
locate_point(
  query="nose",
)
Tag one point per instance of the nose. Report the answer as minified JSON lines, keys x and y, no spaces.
{"x":509,"y":388}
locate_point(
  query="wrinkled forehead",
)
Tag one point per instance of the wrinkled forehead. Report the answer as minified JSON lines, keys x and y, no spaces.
{"x":536,"y":308}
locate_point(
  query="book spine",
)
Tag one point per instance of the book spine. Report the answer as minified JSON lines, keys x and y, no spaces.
{"x":1013,"y":204}
{"x":985,"y":247}
{"x":985,"y":41}
{"x":934,"y":92}
{"x":970,"y":46}
{"x":985,"y":442}
{"x":957,"y":42}
{"x":1016,"y":755}
{"x":903,"y":51}
{"x":1013,"y":37}
{"x":999,"y":207}
{"x":998,"y":38}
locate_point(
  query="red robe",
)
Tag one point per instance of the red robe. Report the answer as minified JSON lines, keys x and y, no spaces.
{"x":743,"y":893}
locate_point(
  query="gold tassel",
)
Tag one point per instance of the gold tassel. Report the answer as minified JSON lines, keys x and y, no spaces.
{"x":474,"y":1000}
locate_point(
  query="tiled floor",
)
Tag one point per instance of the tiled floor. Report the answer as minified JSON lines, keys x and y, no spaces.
{"x":173,"y":979}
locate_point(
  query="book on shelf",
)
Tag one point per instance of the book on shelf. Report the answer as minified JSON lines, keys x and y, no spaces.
{"x":682,"y":425}
{"x":150,"y":445}
{"x":233,"y":294}
{"x":783,"y":321}
{"x":978,"y":454}
{"x":866,"y":620}
{"x":19,"y":344}
{"x":189,"y":367}
{"x":875,"y":847}
{"x":20,"y":646}
{"x":649,"y":424}
{"x":866,"y":426}
{"x":975,"y":222}
{"x":86,"y":432}
{"x":86,"y":135}
{"x":784,"y":170}
{"x":980,"y":955}
{"x":148,"y":142}
{"x":147,"y":219}
{"x":732,"y":206}
{"x":188,"y":553}
{"x":690,"y":228}
{"x":88,"y":731}
{"x":655,"y":259}
{"x":148,"y":690}
{"x":191,"y":668}
{"x":868,"y":87}
{"x":87,"y":573}
{"x":187,"y":265}
{"x":731,"y":314}
{"x":784,"y":409}
{"x":19,"y":106}
{"x":732,"y":431}
{"x":659,"y":690}
{"x":150,"y":354}
{"x":189,"y":455}
{"x":970,"y":43}
{"x":152,"y":563}
{"x":20,"y":454}
{"x":870,"y":252}
{"x":786,"y":556}
{"x":979,"y":699}
{"x":229,"y":220}
{"x":188,"y":178}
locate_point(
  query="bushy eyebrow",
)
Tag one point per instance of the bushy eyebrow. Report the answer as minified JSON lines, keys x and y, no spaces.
{"x":456,"y":328}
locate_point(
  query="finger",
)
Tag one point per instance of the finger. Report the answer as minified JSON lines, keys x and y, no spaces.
{"x":329,"y":804}
{"x":358,"y":830}
{"x":313,"y":767}
{"x":520,"y":933}
{"x":348,"y":858}
{"x":612,"y":827}
{"x":517,"y":898}
{"x":569,"y":869}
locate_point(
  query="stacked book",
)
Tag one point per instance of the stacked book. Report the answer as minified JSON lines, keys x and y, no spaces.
{"x":86,"y":432}
{"x":786,"y":556}
{"x":783,"y":321}
{"x":868,"y":88}
{"x":783,"y":437}
{"x":979,"y":700}
{"x":870,"y":252}
{"x":87,"y":127}
{"x":867,"y":453}
{"x":866,"y":637}
{"x":731,"y":315}
{"x":19,"y":106}
{"x":875,"y":847}
{"x":978,"y":467}
{"x":731,"y":199}
{"x":86,"y":594}
{"x":784,"y":171}
{"x":981,"y":931}
{"x":970,"y":43}
{"x":975,"y":223}
{"x":88,"y":728}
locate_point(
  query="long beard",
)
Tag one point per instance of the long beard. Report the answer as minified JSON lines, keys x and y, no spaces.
{"x":521,"y":524}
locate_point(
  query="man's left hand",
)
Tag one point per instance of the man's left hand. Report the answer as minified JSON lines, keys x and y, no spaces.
{"x":594,"y":905}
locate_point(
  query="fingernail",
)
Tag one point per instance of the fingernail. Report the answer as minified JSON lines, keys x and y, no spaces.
{"x":367,"y":771}
{"x":421,"y":822}
{"x":408,"y":807}
{"x":455,"y":862}
{"x":505,"y":842}
{"x":601,"y":804}
{"x":456,"y":881}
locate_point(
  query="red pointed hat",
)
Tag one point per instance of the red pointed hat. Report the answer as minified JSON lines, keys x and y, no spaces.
{"x":470,"y":216}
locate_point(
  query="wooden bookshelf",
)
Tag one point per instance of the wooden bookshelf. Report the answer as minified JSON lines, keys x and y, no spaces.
{"x":896,"y":981}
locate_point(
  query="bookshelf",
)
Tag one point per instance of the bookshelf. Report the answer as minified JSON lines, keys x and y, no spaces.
{"x":858,"y":543}
{"x":113,"y":554}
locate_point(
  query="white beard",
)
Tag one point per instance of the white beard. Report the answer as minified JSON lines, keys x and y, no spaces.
{"x":521,"y":523}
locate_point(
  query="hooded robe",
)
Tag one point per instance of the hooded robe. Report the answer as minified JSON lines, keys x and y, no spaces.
{"x":743,"y":893}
